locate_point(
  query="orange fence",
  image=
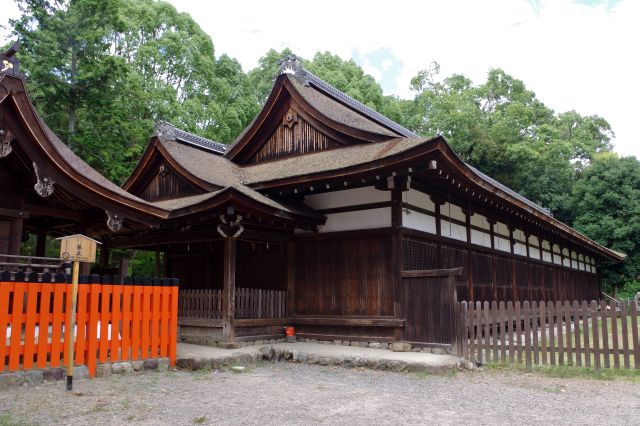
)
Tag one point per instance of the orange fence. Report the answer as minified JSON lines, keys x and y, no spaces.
{"x":114,"y":322}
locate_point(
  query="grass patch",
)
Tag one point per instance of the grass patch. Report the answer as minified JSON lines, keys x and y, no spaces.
{"x":570,"y":372}
{"x":7,"y":419}
{"x":200,"y":420}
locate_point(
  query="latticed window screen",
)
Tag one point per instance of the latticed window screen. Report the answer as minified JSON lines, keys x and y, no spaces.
{"x":419,"y":254}
{"x":503,"y":272}
{"x":454,"y":258}
{"x":522,"y":276}
{"x":481,"y":264}
{"x":537,"y":276}
{"x":548,"y":277}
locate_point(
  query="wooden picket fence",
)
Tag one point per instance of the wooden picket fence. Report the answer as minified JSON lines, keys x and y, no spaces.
{"x":114,"y":322}
{"x":253,"y":303}
{"x":250,"y":303}
{"x":570,"y":333}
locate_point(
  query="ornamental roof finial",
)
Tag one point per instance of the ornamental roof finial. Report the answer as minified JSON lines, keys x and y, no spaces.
{"x":8,"y":62}
{"x":291,"y":64}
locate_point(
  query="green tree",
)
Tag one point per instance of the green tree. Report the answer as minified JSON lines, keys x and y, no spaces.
{"x":101,"y":72}
{"x":606,"y":203}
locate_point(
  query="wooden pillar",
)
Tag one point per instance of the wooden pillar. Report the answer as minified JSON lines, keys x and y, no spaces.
{"x":104,"y":257}
{"x":229,"y":291}
{"x":291,"y":279}
{"x":494,"y":283}
{"x":467,"y":223}
{"x":41,"y":243}
{"x":397,"y":260}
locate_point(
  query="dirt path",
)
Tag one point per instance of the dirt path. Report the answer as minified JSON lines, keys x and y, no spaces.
{"x":303,"y":394}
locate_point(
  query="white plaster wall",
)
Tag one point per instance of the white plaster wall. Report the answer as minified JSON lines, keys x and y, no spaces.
{"x":480,"y":221}
{"x":421,"y":222}
{"x":534,"y":253}
{"x":418,"y":199}
{"x":453,"y":230}
{"x":502,"y":244}
{"x":502,"y":229}
{"x":546,"y":245}
{"x":362,"y":219}
{"x":453,"y":211}
{"x":346,"y":197}
{"x":565,"y":262}
{"x":518,"y":234}
{"x":582,"y":266}
{"x":481,"y":238}
{"x":557,"y":259}
{"x":520,"y":249}
{"x":546,"y":256}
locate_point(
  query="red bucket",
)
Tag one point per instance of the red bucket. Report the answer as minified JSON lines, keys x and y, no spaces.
{"x":289,"y":331}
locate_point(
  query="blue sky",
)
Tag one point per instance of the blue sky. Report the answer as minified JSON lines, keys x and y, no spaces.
{"x":574,"y":54}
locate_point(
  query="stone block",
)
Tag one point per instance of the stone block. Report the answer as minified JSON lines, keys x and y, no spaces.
{"x":426,"y":350}
{"x":346,"y":343}
{"x":53,"y":374}
{"x":163,"y":364}
{"x":384,"y":346}
{"x":34,"y":377}
{"x":400,"y":347}
{"x":374,"y":345}
{"x":291,"y":339}
{"x":80,"y":372}
{"x":349,"y":362}
{"x":103,"y":370}
{"x":149,"y":364}
{"x":438,"y":351}
{"x":416,"y":349}
{"x":324,"y":360}
{"x":12,"y":379}
{"x":312,"y":359}
{"x":138,"y":365}
{"x":121,"y":368}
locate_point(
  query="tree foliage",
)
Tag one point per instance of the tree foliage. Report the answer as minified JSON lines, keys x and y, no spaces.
{"x":606,"y":203}
{"x":103,"y":72}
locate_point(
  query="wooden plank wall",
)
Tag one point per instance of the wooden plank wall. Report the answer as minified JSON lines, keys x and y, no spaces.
{"x":350,"y":277}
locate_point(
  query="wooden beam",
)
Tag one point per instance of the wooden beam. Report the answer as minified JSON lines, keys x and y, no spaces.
{"x":347,"y":321}
{"x":41,"y":243}
{"x":432,"y":273}
{"x":229,"y":291}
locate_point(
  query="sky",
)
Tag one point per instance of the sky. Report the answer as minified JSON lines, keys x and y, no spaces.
{"x":574,"y":54}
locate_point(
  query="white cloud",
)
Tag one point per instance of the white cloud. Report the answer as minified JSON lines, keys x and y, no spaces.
{"x":573,"y":56}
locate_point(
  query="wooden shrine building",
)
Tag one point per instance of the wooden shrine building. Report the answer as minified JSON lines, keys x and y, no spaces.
{"x":323,"y":214}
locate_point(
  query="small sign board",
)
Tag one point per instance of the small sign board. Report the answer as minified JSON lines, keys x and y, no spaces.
{"x":78,"y":248}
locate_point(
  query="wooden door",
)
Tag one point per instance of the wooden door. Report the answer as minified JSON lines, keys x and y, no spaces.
{"x":429,"y":305}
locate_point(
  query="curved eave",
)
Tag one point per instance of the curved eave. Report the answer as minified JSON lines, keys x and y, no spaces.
{"x":464,"y":169}
{"x":34,"y":128}
{"x":231,"y":195}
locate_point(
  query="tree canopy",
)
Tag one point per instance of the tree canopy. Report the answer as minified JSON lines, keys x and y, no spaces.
{"x":102,"y":72}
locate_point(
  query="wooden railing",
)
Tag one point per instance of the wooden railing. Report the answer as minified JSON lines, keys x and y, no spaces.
{"x":581,"y":334}
{"x":250,"y":303}
{"x":114,"y":322}
{"x":28,"y":264}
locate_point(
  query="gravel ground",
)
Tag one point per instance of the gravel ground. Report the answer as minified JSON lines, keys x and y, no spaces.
{"x":304,"y":394}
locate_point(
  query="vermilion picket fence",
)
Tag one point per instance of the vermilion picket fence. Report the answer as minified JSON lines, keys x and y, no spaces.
{"x":137,"y":319}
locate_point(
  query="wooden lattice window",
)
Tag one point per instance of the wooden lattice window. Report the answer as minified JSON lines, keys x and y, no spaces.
{"x":503,"y":272}
{"x":419,"y":254}
{"x":522,"y":273}
{"x":454,"y":258}
{"x":481,"y":269}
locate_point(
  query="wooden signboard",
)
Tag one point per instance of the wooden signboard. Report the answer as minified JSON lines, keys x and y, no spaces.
{"x":78,"y":248}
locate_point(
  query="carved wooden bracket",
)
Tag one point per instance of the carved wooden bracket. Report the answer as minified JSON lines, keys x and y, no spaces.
{"x":230,"y":228}
{"x":114,"y":221}
{"x":44,"y":184}
{"x":290,"y":119}
{"x":5,"y":142}
{"x":162,"y":170}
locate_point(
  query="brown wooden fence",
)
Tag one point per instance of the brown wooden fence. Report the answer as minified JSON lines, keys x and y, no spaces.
{"x":570,"y":333}
{"x":114,"y":322}
{"x":250,"y":303}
